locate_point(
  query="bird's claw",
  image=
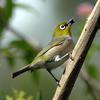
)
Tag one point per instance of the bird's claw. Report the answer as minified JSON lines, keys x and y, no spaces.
{"x":57,"y":81}
{"x":71,"y":56}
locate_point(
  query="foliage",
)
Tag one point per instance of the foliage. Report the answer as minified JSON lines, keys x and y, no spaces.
{"x":7,"y":11}
{"x":19,"y":95}
{"x":2,"y":95}
{"x":28,"y":50}
{"x":5,"y":14}
{"x":21,"y":48}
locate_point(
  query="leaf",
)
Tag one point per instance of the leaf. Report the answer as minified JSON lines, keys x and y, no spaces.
{"x":91,"y":70}
{"x":19,"y":95}
{"x":36,"y":76}
{"x":9,"y":98}
{"x":10,"y":60}
{"x":8,"y":55}
{"x":5,"y":14}
{"x":97,"y":47}
{"x":39,"y":96}
{"x":2,"y":95}
{"x":29,"y":51}
{"x":8,"y":9}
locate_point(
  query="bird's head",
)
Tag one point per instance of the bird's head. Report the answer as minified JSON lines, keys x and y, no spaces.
{"x":63,"y":29}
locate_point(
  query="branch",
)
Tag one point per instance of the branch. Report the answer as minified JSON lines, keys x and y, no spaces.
{"x":18,"y":34}
{"x":15,"y":32}
{"x":79,"y":53}
{"x":92,"y":85}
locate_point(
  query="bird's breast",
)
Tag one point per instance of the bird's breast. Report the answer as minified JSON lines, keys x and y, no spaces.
{"x":60,"y":50}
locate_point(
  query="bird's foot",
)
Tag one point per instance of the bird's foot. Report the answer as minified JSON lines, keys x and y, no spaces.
{"x":71,"y":56}
{"x":57,"y":81}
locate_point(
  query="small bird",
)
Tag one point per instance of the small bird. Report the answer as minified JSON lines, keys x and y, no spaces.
{"x":56,"y":52}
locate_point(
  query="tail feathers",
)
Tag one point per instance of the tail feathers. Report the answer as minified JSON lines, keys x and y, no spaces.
{"x":21,"y":71}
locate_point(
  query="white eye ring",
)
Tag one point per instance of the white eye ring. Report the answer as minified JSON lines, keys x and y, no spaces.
{"x":62,"y":27}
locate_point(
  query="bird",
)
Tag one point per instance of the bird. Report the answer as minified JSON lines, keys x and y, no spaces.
{"x":55,"y":53}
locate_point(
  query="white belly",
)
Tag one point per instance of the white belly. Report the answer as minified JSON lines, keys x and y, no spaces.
{"x":58,"y":50}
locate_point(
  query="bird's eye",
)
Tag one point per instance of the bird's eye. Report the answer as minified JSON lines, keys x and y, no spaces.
{"x":62,"y":27}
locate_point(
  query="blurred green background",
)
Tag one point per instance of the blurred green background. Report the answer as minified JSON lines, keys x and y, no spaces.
{"x":25,"y":28}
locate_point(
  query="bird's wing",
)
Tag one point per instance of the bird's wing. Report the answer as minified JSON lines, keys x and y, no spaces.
{"x":54,"y":42}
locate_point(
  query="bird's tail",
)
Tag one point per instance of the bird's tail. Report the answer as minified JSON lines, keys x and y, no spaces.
{"x":21,"y":71}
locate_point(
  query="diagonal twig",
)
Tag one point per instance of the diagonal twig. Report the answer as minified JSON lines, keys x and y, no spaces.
{"x":92,"y":85}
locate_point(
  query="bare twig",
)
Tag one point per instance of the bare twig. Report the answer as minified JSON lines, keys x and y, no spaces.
{"x":92,"y":85}
{"x":15,"y":32}
{"x":79,"y":53}
{"x":20,"y":36}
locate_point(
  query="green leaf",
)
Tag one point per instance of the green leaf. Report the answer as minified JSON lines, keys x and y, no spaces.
{"x":36,"y":76}
{"x":2,"y":95}
{"x":8,"y":55}
{"x":8,"y":9}
{"x":39,"y":96}
{"x":5,"y":14}
{"x":19,"y":95}
{"x":10,"y":60}
{"x":29,"y":51}
{"x":91,"y":70}
{"x":97,"y":47}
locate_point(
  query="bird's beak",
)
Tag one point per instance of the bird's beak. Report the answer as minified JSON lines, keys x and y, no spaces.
{"x":70,"y":22}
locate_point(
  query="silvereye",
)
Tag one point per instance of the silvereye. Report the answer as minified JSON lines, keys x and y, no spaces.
{"x":55,"y":53}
